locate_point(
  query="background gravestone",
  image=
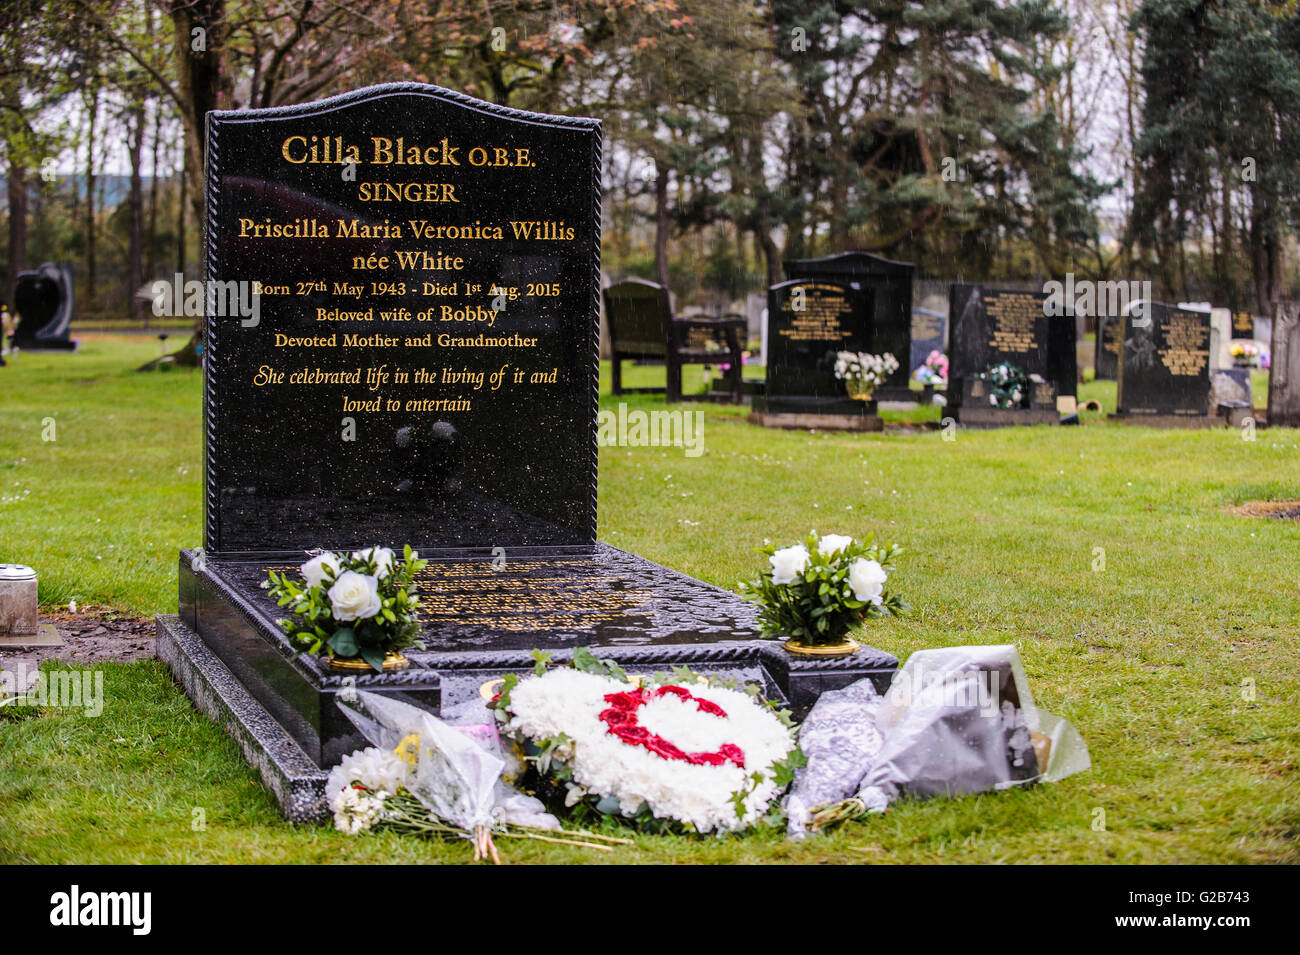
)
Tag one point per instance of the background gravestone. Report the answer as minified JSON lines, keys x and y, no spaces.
{"x":929,"y":333}
{"x":989,"y":326}
{"x":1106,"y":361}
{"x":43,"y":301}
{"x":880,"y":291}
{"x":1231,"y":386}
{"x":1220,"y":337}
{"x":1263,"y":330}
{"x":1243,"y":325}
{"x":1284,"y":375}
{"x":808,"y":323}
{"x":1165,"y":366}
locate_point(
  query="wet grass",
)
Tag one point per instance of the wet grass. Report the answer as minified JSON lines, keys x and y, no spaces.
{"x":1163,"y":626}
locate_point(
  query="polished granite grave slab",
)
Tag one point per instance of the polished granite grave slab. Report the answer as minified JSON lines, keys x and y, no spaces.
{"x":480,"y":623}
{"x":419,"y":366}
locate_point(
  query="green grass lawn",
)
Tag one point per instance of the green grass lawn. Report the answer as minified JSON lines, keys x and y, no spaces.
{"x":1104,"y":552}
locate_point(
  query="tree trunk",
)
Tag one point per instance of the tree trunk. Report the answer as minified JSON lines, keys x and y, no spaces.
{"x":135,"y":211}
{"x":17,"y":224}
{"x":1230,"y":286}
{"x":201,"y":81}
{"x":771,"y":254}
{"x":661,"y":226}
{"x":181,"y":180}
{"x":151,"y":249}
{"x":201,"y":84}
{"x":93,"y":106}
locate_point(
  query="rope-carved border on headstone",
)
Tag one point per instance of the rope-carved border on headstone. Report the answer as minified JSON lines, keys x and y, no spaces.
{"x":594,"y":324}
{"x":211,"y":447}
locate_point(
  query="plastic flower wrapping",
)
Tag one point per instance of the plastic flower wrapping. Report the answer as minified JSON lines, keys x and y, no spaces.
{"x":954,"y":720}
{"x":683,"y":753}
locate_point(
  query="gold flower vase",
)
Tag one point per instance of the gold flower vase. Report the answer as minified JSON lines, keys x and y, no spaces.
{"x":859,"y":393}
{"x":845,"y":647}
{"x":392,"y":661}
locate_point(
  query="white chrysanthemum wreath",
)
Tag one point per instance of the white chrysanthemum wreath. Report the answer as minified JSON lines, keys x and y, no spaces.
{"x":660,"y":752}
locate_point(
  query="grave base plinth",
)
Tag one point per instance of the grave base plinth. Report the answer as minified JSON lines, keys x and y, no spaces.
{"x":975,"y":417}
{"x":817,"y":422}
{"x":281,"y":705}
{"x":51,"y":345}
{"x":1169,"y":420}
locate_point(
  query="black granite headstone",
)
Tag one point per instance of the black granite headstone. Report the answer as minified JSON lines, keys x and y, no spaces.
{"x":43,"y":300}
{"x":808,"y":323}
{"x":1106,"y":361}
{"x":1243,"y":325}
{"x":421,"y":368}
{"x":1165,"y":367}
{"x":880,"y":290}
{"x":990,"y":326}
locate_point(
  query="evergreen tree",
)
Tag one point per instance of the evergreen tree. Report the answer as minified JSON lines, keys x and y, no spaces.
{"x":1220,"y":144}
{"x":920,"y":132}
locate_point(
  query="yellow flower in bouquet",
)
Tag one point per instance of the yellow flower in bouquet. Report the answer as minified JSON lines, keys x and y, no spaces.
{"x":408,"y":750}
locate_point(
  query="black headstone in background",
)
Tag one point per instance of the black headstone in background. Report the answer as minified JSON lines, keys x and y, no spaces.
{"x":43,"y":301}
{"x":1243,"y":325}
{"x":1165,"y":367}
{"x":1063,"y":355}
{"x":989,"y":326}
{"x":381,"y":396}
{"x":808,"y":323}
{"x":881,"y":290}
{"x":1106,"y":362}
{"x":929,"y":333}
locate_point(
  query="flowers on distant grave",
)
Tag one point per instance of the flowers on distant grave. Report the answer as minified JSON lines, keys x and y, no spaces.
{"x":863,"y":373}
{"x":934,"y":371}
{"x":817,"y":591}
{"x":364,"y":604}
{"x":668,"y":751}
{"x":744,"y":360}
{"x":1008,"y":385}
{"x":1245,"y":354}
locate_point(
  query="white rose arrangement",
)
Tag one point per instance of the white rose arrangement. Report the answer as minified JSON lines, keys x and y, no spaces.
{"x":360,"y":605}
{"x":863,"y":373}
{"x":817,"y":591}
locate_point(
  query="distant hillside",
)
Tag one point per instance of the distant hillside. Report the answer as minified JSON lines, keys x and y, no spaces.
{"x":113,"y":188}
